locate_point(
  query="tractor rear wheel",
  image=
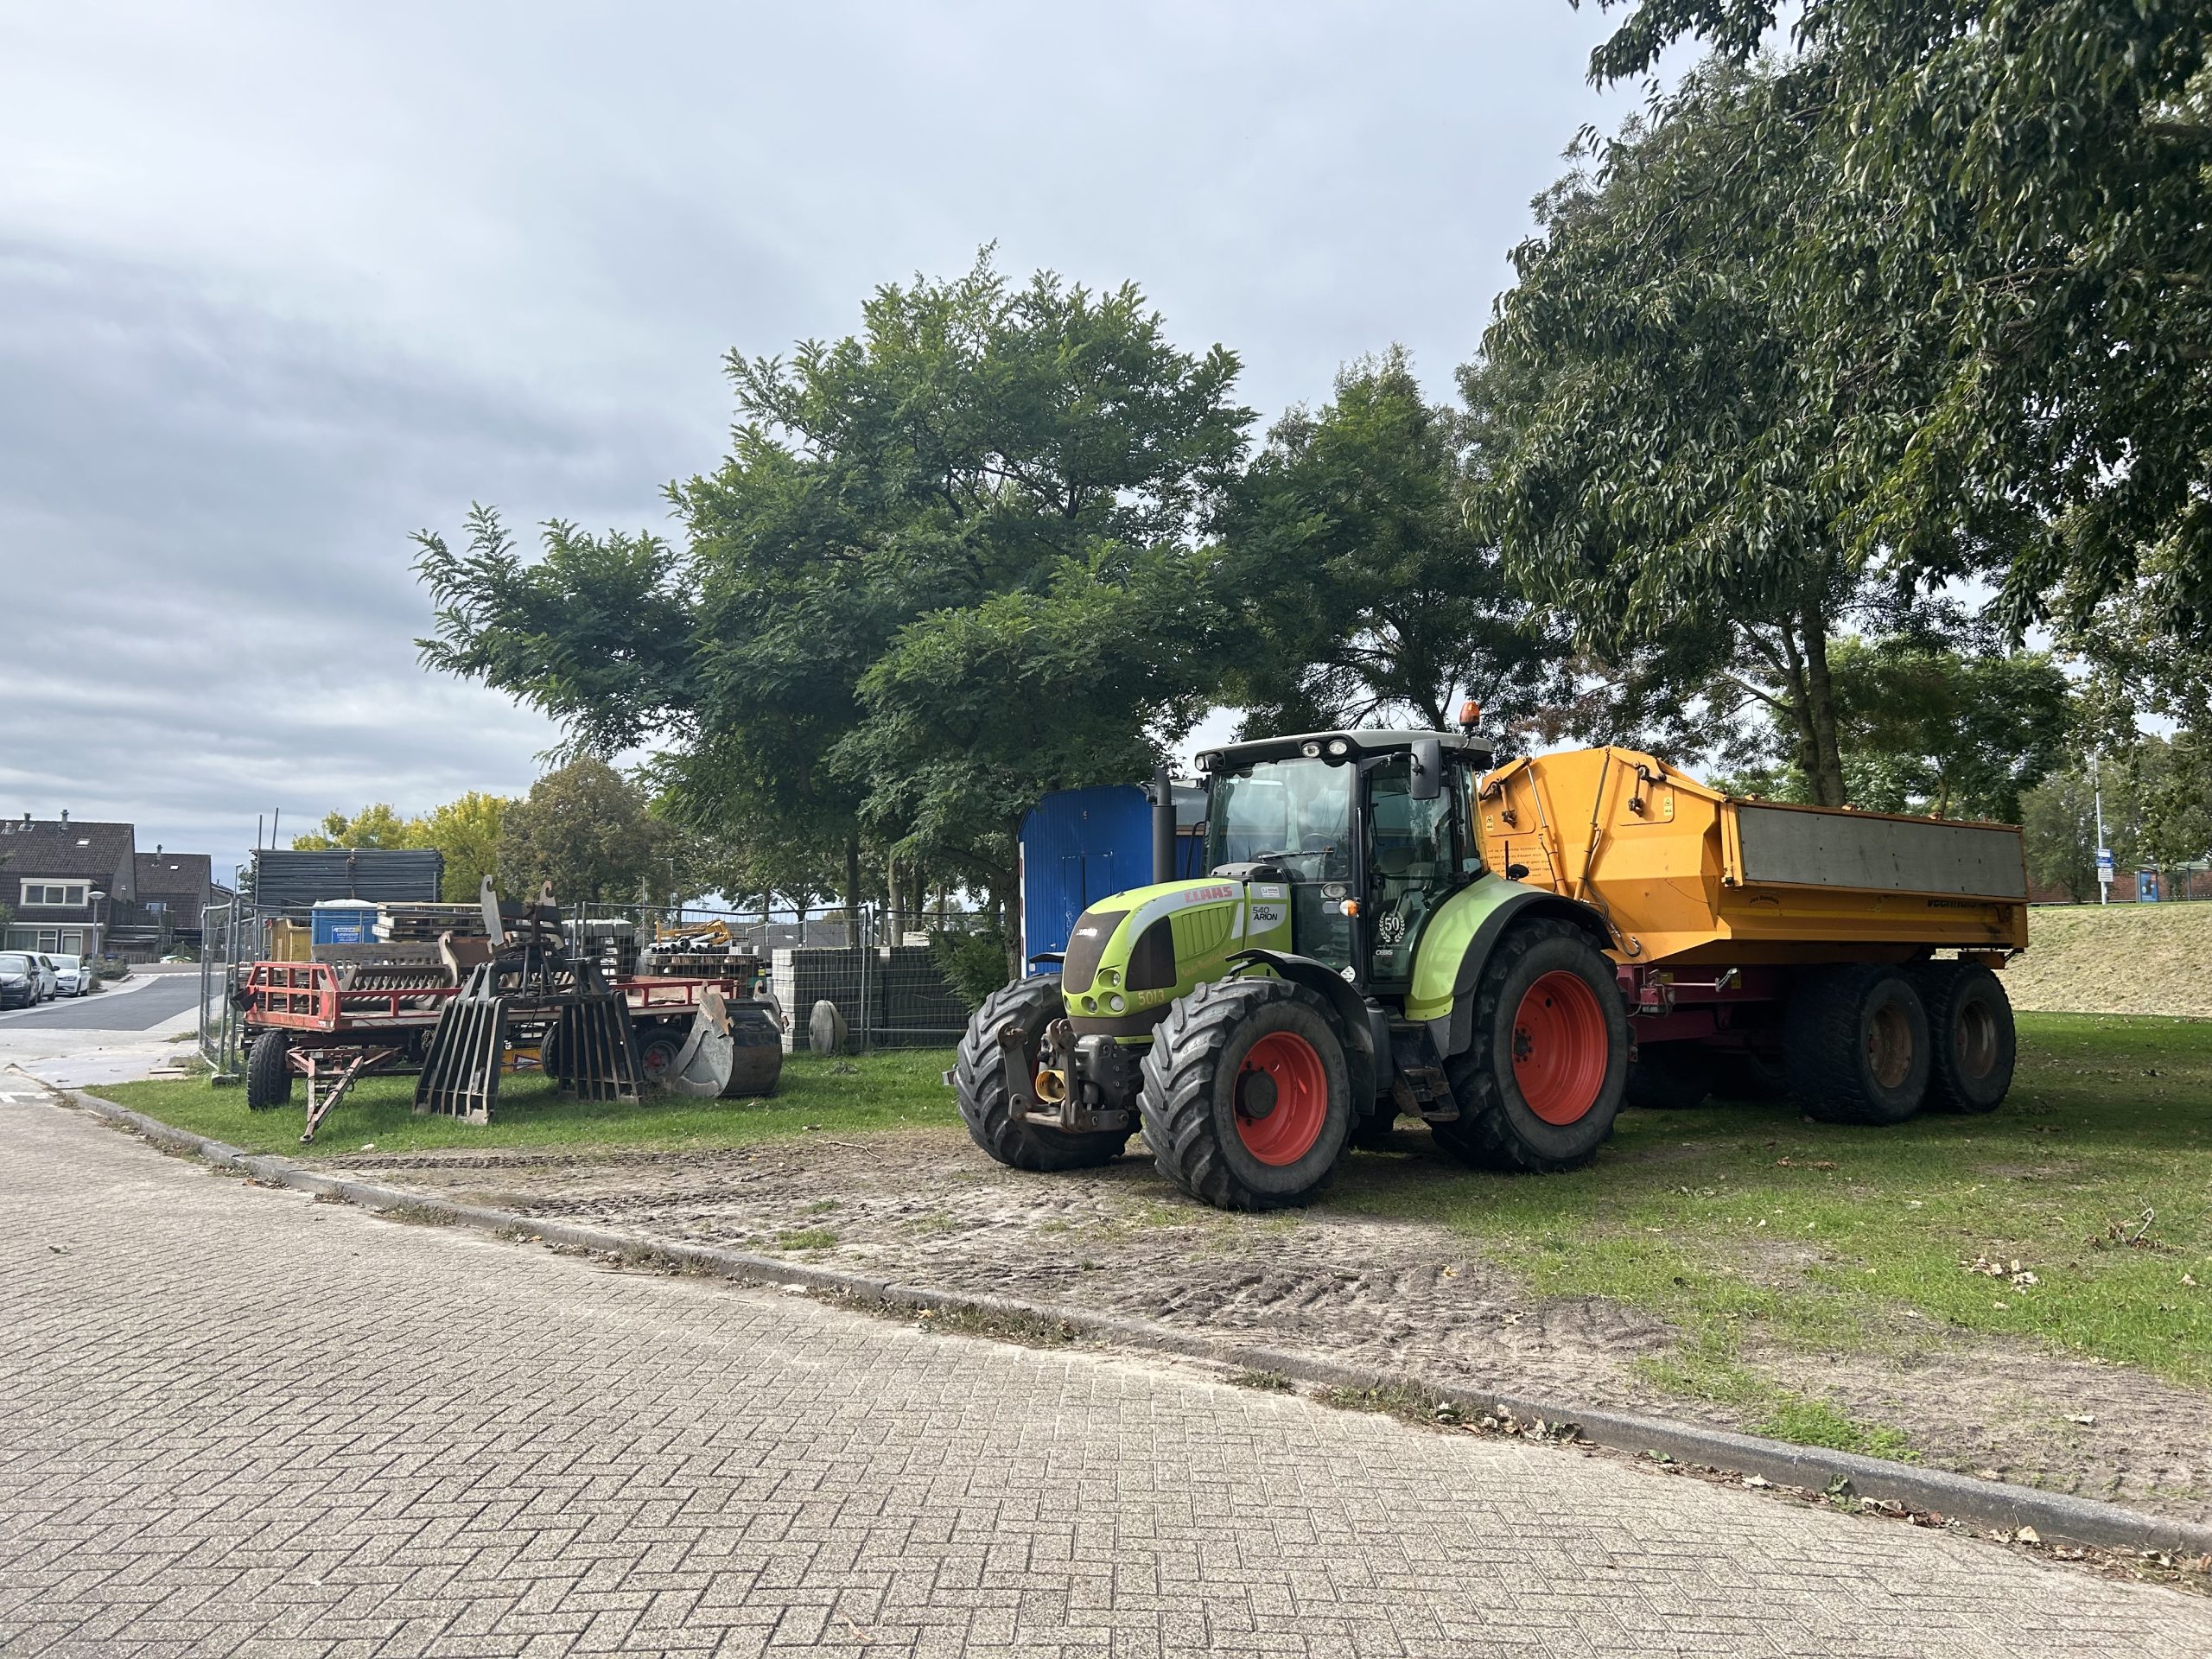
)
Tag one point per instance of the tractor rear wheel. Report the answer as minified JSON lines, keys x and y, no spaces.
{"x":1539,"y":1088}
{"x":981,"y":1084}
{"x":1670,"y":1076}
{"x":267,"y":1074}
{"x":1970,"y":1038}
{"x":1247,"y":1099}
{"x":1857,"y":1041}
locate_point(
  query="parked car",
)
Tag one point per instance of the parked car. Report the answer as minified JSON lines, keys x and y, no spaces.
{"x":49,"y":982}
{"x":75,"y":975}
{"x":19,"y":982}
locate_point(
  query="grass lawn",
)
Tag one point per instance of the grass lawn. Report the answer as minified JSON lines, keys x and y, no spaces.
{"x":1750,"y":1229}
{"x":891,"y":1089}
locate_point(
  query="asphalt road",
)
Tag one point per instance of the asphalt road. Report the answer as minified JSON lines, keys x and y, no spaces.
{"x":163,"y":996}
{"x":236,"y":1423}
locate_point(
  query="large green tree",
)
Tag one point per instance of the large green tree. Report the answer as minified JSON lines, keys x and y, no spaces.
{"x":1661,"y":467}
{"x":586,"y":829}
{"x":863,"y":642}
{"x":1364,"y":591}
{"x":2024,"y":190}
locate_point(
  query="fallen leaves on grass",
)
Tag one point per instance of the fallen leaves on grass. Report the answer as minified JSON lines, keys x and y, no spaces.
{"x":2019,"y":1277}
{"x":2116,"y":1235}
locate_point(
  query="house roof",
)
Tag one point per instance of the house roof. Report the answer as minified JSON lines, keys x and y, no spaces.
{"x":179,"y":873}
{"x":97,"y":852}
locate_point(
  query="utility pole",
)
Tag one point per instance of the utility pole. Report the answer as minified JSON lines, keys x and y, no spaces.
{"x":2104,"y":852}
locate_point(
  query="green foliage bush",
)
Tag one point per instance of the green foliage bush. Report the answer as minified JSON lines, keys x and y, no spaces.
{"x":974,"y":964}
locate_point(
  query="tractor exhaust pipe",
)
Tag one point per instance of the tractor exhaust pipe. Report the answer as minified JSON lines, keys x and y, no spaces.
{"x":1163,"y":825}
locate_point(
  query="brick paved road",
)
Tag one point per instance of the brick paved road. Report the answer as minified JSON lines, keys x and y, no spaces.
{"x":234,"y":1421}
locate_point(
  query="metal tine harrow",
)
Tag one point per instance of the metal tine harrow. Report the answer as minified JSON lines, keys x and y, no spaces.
{"x":530,"y":990}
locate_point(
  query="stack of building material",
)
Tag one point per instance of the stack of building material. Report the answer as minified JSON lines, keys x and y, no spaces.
{"x":610,"y":943}
{"x":422,"y":923}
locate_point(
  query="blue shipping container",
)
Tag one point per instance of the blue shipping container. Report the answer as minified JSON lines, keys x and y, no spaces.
{"x":1079,"y":845}
{"x":344,"y":924}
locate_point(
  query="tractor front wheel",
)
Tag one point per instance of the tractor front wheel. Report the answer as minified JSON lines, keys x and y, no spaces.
{"x":987,"y":1104}
{"x":1247,"y":1099}
{"x":1539,"y":1088}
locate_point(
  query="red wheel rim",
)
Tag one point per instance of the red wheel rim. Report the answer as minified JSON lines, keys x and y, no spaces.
{"x":1560,"y":1047}
{"x":1282,"y":1098}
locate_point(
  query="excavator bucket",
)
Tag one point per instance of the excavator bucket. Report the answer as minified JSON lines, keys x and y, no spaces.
{"x":730,"y":1051}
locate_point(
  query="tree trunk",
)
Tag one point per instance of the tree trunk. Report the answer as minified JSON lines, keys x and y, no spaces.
{"x":852,"y":888}
{"x":1826,"y":777}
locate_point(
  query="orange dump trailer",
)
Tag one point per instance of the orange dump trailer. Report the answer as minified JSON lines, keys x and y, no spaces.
{"x":1759,"y":944}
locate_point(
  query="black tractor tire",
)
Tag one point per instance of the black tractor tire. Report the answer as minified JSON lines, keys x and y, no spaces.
{"x":979,"y":1082}
{"x":1751,"y":1074}
{"x":1857,"y":1042}
{"x":1498,"y":1127}
{"x":1211,"y":1087}
{"x":268,"y":1079}
{"x":1972,"y":1045}
{"x":1670,"y":1076}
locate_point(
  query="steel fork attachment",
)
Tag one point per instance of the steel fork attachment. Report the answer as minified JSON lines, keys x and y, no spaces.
{"x":531,"y":991}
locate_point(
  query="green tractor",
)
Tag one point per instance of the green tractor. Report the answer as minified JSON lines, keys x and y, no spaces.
{"x":1348,"y":961}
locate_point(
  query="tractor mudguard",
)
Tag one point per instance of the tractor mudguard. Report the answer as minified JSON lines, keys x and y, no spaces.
{"x":1456,"y":941}
{"x":1368,"y":1056}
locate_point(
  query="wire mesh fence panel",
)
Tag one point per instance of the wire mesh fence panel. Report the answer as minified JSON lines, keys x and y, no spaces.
{"x":224,"y":944}
{"x":899,"y":987}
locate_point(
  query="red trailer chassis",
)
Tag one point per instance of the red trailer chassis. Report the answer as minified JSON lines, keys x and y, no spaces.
{"x":337,"y":1032}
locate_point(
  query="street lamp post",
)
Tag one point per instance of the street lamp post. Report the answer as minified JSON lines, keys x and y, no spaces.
{"x":2104,"y":852}
{"x":96,"y":896}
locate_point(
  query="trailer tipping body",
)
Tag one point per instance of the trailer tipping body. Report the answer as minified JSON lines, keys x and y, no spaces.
{"x":1687,"y":875}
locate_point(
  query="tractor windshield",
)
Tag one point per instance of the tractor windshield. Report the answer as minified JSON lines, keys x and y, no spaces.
{"x":1295,"y":814}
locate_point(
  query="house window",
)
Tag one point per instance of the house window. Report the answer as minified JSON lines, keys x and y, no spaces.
{"x":72,"y":941}
{"x":54,"y":892}
{"x":49,"y":940}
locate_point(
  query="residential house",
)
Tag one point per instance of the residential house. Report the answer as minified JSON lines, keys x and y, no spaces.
{"x":174,"y":888}
{"x":59,"y":880}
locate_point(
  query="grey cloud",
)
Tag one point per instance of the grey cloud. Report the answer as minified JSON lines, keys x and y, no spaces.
{"x":280,"y":284}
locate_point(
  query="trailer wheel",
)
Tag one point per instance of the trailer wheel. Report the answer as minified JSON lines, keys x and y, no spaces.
{"x":656,"y":1052}
{"x":1970,"y":1037}
{"x":1247,"y":1099}
{"x":268,"y":1078}
{"x":979,"y":1083}
{"x":1540,"y":1087}
{"x":1670,"y":1076}
{"x":1857,"y":1041}
{"x":1751,"y":1074}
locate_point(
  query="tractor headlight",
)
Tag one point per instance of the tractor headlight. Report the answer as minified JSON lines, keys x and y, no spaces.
{"x":1339,"y":748}
{"x":1311,"y":751}
{"x":1115,"y":1005}
{"x":1091,"y":1005}
{"x":1109,"y":975}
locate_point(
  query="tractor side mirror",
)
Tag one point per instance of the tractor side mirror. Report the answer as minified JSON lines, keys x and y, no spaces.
{"x":1427,"y":780}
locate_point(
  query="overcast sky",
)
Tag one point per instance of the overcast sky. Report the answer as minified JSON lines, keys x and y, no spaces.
{"x":281,"y":284}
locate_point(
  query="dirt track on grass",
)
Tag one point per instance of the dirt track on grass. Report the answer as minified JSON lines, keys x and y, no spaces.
{"x":924,"y":1207}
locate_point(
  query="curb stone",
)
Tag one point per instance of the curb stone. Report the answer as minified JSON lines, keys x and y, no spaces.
{"x":2055,"y":1517}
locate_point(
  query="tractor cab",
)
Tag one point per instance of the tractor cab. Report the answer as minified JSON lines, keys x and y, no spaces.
{"x":1367,"y":831}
